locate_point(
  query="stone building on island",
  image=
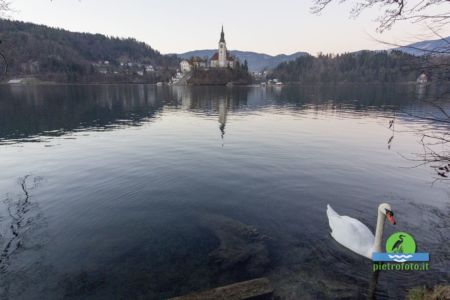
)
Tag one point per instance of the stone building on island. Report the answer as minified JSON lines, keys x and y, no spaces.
{"x":222,"y":58}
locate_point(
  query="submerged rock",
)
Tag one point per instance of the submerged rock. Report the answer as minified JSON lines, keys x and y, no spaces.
{"x":259,"y":288}
{"x":242,"y":252}
{"x":435,"y":293}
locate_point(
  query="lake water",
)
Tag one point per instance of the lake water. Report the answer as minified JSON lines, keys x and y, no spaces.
{"x":148,"y":192}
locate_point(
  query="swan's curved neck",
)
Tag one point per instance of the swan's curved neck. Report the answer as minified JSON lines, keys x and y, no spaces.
{"x":379,"y":232}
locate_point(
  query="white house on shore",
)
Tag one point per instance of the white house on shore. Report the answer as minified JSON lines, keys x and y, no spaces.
{"x":185,"y":66}
{"x":194,"y":62}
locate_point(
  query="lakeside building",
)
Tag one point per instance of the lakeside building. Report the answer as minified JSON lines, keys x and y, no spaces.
{"x":422,"y":79}
{"x":194,"y":62}
{"x":198,"y":62}
{"x":185,"y":66}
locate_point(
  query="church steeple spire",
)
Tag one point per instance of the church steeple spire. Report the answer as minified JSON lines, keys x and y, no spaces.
{"x":222,"y":59}
{"x":222,"y":36}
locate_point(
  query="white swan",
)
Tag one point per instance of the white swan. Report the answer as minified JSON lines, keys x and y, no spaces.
{"x":354,"y":235}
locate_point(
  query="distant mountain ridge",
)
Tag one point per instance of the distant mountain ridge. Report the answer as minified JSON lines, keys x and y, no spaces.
{"x":261,"y":61}
{"x":256,"y":61}
{"x":429,"y":47}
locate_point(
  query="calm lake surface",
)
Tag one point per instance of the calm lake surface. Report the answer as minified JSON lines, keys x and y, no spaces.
{"x":135,"y":191}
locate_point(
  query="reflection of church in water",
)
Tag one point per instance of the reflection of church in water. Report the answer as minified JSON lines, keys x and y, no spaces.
{"x":223,"y":112}
{"x":211,"y":101}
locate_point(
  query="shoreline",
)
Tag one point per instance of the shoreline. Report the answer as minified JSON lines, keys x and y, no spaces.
{"x":48,"y":83}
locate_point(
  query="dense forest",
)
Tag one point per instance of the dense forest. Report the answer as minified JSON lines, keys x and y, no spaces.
{"x":239,"y":75}
{"x":63,"y":56}
{"x":362,"y":66}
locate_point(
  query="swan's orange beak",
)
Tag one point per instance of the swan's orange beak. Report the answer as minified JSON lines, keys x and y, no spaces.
{"x":390,"y":217}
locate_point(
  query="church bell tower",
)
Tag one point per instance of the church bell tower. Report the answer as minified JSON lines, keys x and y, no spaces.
{"x":222,"y":50}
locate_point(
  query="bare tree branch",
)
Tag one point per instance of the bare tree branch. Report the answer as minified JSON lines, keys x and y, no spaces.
{"x":395,"y":10}
{"x":5,"y":8}
{"x":436,"y":64}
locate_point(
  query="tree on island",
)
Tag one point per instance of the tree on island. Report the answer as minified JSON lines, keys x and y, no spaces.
{"x":434,"y":14}
{"x":245,"y":66}
{"x":241,"y":74}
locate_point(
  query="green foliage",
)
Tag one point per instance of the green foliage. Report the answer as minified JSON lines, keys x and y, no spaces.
{"x":240,"y":73}
{"x":42,"y":51}
{"x":363,"y":66}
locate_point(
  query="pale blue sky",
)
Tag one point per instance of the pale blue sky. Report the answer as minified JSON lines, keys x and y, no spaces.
{"x":174,"y":26}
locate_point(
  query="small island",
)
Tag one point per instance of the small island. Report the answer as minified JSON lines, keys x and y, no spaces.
{"x":221,"y":69}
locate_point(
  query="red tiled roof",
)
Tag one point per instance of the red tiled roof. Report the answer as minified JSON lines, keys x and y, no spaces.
{"x":216,"y":56}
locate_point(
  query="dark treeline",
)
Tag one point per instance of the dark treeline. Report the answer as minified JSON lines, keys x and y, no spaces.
{"x":239,"y":75}
{"x":60,"y":55}
{"x":363,"y":66}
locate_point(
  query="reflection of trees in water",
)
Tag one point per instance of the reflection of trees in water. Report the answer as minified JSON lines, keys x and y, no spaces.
{"x":207,"y":99}
{"x":346,"y":96}
{"x":431,"y":115}
{"x":19,"y":219}
{"x":57,"y":110}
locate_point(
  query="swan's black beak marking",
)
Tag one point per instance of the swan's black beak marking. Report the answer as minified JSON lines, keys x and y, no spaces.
{"x":390,"y":216}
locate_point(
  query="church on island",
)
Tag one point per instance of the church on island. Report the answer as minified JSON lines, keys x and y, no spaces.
{"x":221,"y":59}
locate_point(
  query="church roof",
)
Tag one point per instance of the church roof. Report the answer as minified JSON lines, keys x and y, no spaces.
{"x":222,"y":36}
{"x":216,"y":56}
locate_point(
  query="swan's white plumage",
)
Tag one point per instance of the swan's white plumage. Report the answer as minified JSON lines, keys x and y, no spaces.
{"x":351,"y":233}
